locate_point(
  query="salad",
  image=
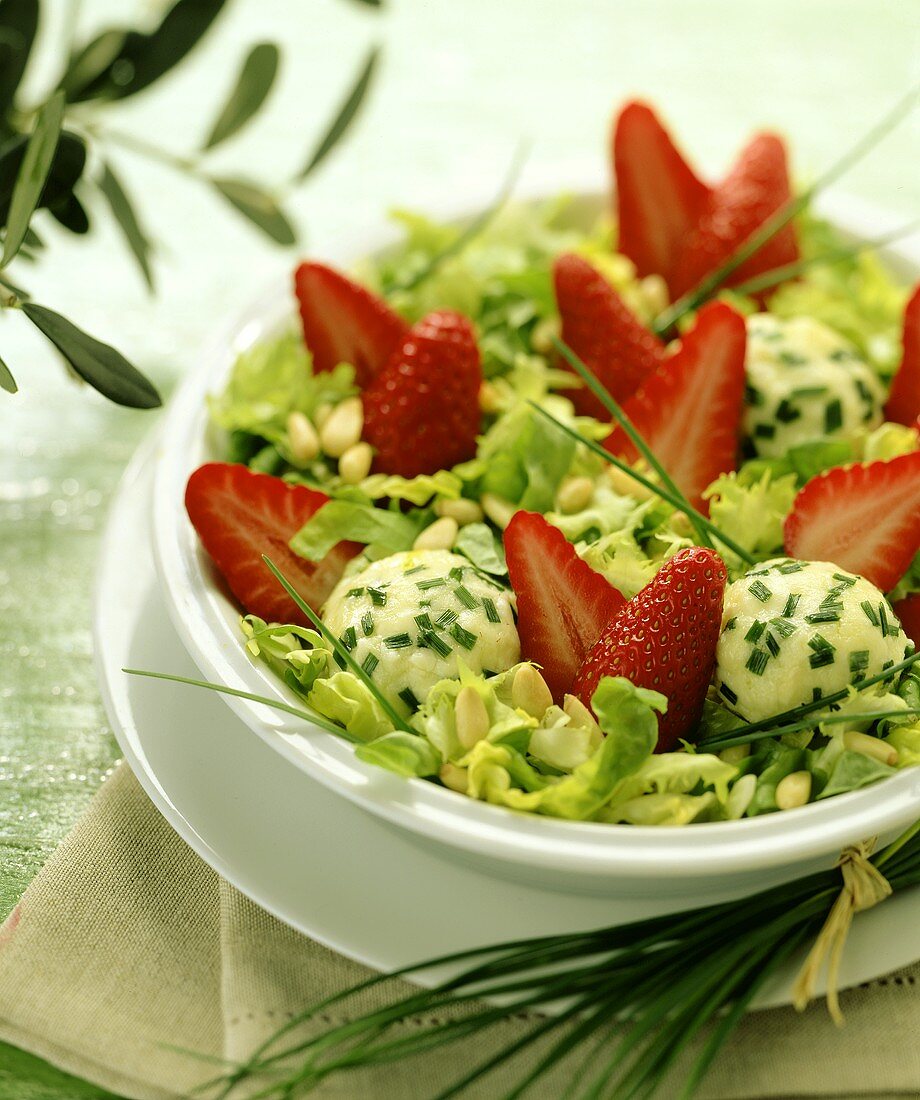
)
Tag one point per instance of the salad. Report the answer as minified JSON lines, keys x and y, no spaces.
{"x":617,"y":524}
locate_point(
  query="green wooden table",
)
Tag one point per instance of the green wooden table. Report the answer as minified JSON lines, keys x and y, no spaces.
{"x":455,"y":97}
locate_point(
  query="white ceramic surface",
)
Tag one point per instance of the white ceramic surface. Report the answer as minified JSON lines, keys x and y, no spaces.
{"x":312,"y":858}
{"x":696,"y":864}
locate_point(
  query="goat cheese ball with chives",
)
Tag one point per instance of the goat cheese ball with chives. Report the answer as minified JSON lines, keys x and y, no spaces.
{"x":795,"y":631}
{"x":805,"y":382}
{"x":411,"y":618}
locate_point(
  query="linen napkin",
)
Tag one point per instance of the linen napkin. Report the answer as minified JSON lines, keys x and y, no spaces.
{"x":130,"y":963}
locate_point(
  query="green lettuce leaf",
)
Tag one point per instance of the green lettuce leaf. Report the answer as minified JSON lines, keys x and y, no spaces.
{"x":405,"y":753}
{"x":665,"y":809}
{"x":390,"y":531}
{"x":345,"y":699}
{"x":478,"y":543}
{"x":906,"y":739}
{"x":752,"y":514}
{"x":293,"y":653}
{"x":853,"y":770}
{"x":889,"y":441}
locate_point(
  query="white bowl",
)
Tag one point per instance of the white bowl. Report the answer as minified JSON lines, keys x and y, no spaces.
{"x":701,"y":863}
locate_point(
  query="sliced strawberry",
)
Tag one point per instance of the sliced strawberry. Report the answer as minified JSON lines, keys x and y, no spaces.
{"x":756,"y":187}
{"x":665,"y":638}
{"x":345,"y":323}
{"x":239,"y":516}
{"x":659,"y":198}
{"x":562,"y":603}
{"x":689,"y":411}
{"x":602,"y":331}
{"x":908,"y":611}
{"x":904,"y":399}
{"x":864,"y":518}
{"x":421,"y":413}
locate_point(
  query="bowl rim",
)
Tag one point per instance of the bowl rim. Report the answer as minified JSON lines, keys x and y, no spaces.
{"x":206,"y":620}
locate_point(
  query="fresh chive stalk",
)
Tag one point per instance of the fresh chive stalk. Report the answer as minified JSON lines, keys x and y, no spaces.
{"x":680,"y":503}
{"x":616,"y":411}
{"x":784,"y":214}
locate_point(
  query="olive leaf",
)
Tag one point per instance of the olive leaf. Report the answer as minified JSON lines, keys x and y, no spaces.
{"x":123,"y":211}
{"x":71,"y":214}
{"x":345,"y":116}
{"x":258,"y":206}
{"x":104,"y":368}
{"x":91,"y":61}
{"x":18,"y":24}
{"x":33,"y":173}
{"x":66,"y":169}
{"x":144,"y":58}
{"x":7,"y":381}
{"x":250,"y":91}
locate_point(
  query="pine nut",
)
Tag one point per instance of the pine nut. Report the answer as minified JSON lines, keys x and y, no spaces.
{"x":793,"y":790}
{"x":541,"y":338}
{"x":471,"y":716}
{"x":529,"y":692}
{"x":302,"y":438}
{"x":870,"y":746}
{"x":574,"y":494}
{"x":497,"y":509}
{"x":578,"y":712}
{"x":654,"y":293}
{"x":627,"y":486}
{"x":462,"y":510}
{"x":453,"y":777}
{"x":489,"y":398}
{"x":321,"y":414}
{"x":440,"y":535}
{"x":739,"y":797}
{"x":343,"y":427}
{"x":734,"y":754}
{"x":355,"y":464}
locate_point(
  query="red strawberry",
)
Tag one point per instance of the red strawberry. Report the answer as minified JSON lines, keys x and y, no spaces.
{"x":756,"y":187}
{"x":421,"y":413}
{"x":904,"y":399}
{"x":344,"y":323}
{"x":659,"y":198}
{"x":908,"y":611}
{"x":689,"y":411}
{"x":665,"y":638}
{"x":864,"y":518}
{"x":601,"y":329}
{"x":239,"y":516}
{"x":562,"y":604}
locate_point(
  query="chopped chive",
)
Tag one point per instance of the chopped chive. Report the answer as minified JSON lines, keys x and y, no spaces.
{"x":730,"y":625}
{"x":415,"y":569}
{"x":833,"y":416}
{"x":772,"y":644}
{"x":727,"y":692}
{"x":355,"y":592}
{"x":808,"y":391}
{"x":757,"y":662}
{"x":437,"y":643}
{"x":408,"y":697}
{"x":752,"y":395}
{"x":423,"y":621}
{"x":378,"y":596}
{"x":831,"y":615}
{"x":764,"y":431}
{"x":433,"y":582}
{"x":760,"y":591}
{"x":339,"y":660}
{"x":887,"y":665}
{"x":859,"y":662}
{"x":790,"y":567}
{"x":397,"y":641}
{"x":883,"y":619}
{"x":792,"y":602}
{"x":786,"y":412}
{"x":840,"y":355}
{"x":756,"y":629}
{"x":844,"y":579}
{"x":869,"y":612}
{"x":491,"y":610}
{"x":816,"y":694}
{"x":820,"y":644}
{"x":446,"y":618}
{"x":367,"y":624}
{"x":792,"y":358}
{"x":370,"y":662}
{"x":783,"y":627}
{"x":466,"y":597}
{"x":463,"y":637}
{"x":819,"y":660}
{"x":456,"y":574}
{"x":349,"y":638}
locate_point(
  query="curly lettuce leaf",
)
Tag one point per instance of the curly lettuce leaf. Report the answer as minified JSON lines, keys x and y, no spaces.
{"x":293,"y":653}
{"x":387,"y":531}
{"x":752,"y":514}
{"x":345,"y":699}
{"x":406,"y":754}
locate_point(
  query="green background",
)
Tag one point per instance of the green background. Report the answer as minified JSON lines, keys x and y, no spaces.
{"x":462,"y":83}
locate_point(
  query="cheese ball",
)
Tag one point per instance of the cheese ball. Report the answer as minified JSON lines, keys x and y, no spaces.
{"x":411,"y":618}
{"x":804,"y":383}
{"x":795,"y":631}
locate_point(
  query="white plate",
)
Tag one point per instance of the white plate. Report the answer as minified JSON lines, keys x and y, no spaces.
{"x":313,"y":859}
{"x":701,"y":863}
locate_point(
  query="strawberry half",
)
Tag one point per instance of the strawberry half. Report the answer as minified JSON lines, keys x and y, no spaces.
{"x":602,"y":331}
{"x":908,"y":611}
{"x":421,"y":413}
{"x":665,"y":638}
{"x":689,"y":411}
{"x":864,"y":518}
{"x":239,"y":516}
{"x":904,"y":399}
{"x":344,"y":323}
{"x":659,"y":198}
{"x":756,"y":187}
{"x":562,"y":603}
